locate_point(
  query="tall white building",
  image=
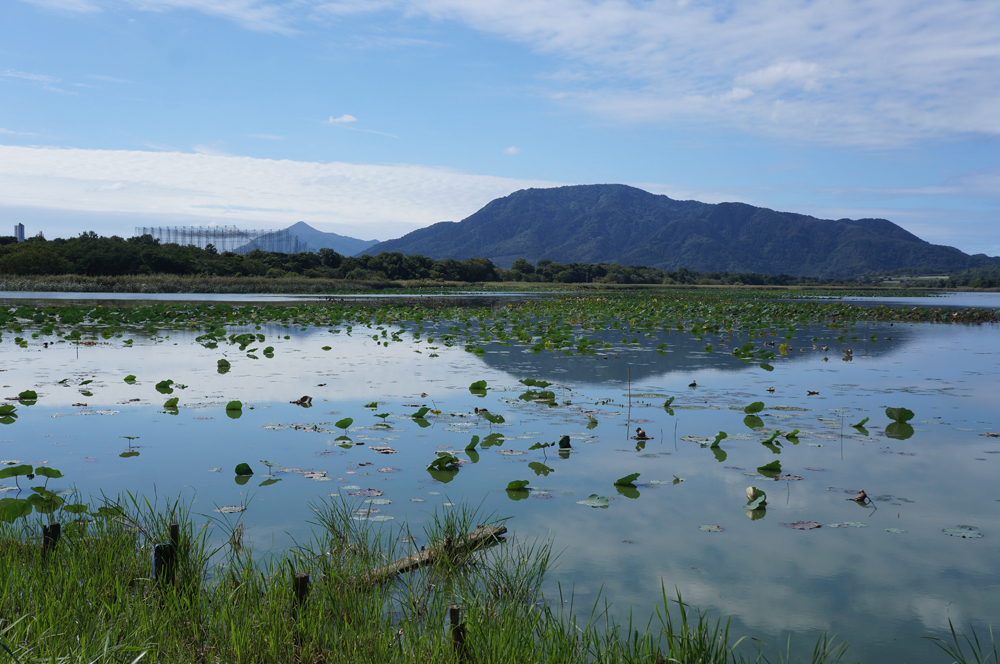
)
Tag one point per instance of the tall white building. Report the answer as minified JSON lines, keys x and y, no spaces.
{"x":19,"y":232}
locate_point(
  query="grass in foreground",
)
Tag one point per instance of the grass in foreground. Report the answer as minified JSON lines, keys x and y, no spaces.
{"x":92,"y":599}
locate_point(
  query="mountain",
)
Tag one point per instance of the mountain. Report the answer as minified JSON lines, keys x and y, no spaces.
{"x":343,"y":245}
{"x":613,"y":223}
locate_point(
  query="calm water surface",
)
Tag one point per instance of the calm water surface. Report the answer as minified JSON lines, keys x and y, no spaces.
{"x":881,"y":582}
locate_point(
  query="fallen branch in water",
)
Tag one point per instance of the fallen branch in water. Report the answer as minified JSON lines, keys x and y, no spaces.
{"x":481,"y":536}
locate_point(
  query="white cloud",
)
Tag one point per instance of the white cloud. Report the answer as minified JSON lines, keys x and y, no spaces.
{"x":11,"y":132}
{"x":203,"y":188}
{"x":342,"y":119}
{"x":868,"y":72}
{"x":512,"y":150}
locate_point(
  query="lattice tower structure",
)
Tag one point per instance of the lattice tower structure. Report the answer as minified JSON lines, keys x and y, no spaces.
{"x":228,"y":238}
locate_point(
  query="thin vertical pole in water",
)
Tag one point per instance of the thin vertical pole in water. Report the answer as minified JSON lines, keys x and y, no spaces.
{"x":629,"y":370}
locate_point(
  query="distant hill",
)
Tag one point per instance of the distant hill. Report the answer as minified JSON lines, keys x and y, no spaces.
{"x":316,"y":240}
{"x":613,"y":223}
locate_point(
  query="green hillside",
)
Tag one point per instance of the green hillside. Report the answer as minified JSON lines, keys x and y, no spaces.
{"x":629,"y":226}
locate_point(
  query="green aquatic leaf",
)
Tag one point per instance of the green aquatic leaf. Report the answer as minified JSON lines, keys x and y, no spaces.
{"x":593,"y":500}
{"x":234,"y":405}
{"x":492,"y":440}
{"x":721,"y":436}
{"x":899,"y":430}
{"x":666,"y":404}
{"x":899,"y":414}
{"x":517,"y":485}
{"x":130,"y":379}
{"x":244,"y":469}
{"x":344,"y":423}
{"x":372,"y":405}
{"x":273,"y":480}
{"x":478,"y":388}
{"x":12,"y":509}
{"x":720,"y":454}
{"x":444,"y":461}
{"x":860,"y":424}
{"x":792,"y":437}
{"x":754,"y":408}
{"x":540,"y":446}
{"x":27,"y":395}
{"x":45,"y":471}
{"x":755,"y":498}
{"x":540,"y":468}
{"x":766,"y":367}
{"x":420,"y":413}
{"x":472,"y":444}
{"x":15,"y":471}
{"x":753,"y":422}
{"x":770,"y":469}
{"x":628,"y":480}
{"x":129,"y":453}
{"x":627,"y":490}
{"x":171,"y":403}
{"x":531,"y":382}
{"x":491,"y":418}
{"x":222,"y":366}
{"x":163,"y":387}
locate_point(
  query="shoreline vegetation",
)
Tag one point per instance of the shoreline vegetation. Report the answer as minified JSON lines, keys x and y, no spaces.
{"x":141,"y":264}
{"x":92,"y":595}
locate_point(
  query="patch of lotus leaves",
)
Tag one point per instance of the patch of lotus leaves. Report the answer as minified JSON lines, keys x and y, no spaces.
{"x":967,"y":532}
{"x":593,"y":500}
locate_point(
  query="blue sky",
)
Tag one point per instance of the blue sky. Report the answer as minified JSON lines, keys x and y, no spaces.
{"x":374,"y":118}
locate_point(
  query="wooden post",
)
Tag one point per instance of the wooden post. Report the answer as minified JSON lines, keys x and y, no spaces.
{"x":175,"y":535}
{"x":457,"y":631}
{"x":300,"y":586}
{"x":164,"y":562}
{"x":50,"y":535}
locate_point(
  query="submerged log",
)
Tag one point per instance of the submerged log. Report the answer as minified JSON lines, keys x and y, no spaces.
{"x":481,"y":536}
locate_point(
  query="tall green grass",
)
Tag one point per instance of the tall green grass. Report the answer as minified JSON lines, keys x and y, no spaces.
{"x":92,"y":599}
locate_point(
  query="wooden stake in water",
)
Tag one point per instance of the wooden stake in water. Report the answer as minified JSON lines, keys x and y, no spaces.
{"x":300,"y":585}
{"x":50,"y":535}
{"x":457,"y":631}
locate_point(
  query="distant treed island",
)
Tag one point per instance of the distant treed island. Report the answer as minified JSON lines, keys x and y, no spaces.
{"x":612,"y":234}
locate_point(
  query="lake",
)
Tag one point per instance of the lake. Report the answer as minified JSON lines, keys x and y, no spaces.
{"x":879,"y":575}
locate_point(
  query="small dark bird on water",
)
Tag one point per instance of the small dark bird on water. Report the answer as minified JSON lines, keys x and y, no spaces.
{"x":564,"y":443}
{"x":770,"y":389}
{"x":640,"y":434}
{"x":861,"y":497}
{"x":694,"y":383}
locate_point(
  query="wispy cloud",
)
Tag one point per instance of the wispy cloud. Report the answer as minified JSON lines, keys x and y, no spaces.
{"x":342,"y":119}
{"x":512,"y":150}
{"x":267,"y":192}
{"x":864,"y":73}
{"x":11,"y":132}
{"x":42,"y":80}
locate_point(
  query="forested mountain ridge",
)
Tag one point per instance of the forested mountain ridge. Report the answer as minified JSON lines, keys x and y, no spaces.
{"x":629,"y":226}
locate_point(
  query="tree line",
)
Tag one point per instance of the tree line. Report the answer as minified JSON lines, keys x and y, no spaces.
{"x":93,"y":255}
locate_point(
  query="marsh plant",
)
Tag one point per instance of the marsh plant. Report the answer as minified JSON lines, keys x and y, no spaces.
{"x":93,"y":597}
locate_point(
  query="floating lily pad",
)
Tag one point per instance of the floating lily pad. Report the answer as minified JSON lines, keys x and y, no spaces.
{"x":847,"y":524}
{"x":593,"y":500}
{"x":967,"y":532}
{"x":231,"y":509}
{"x":802,"y":525}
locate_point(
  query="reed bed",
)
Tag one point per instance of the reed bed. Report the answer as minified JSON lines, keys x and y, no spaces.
{"x":92,"y":598}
